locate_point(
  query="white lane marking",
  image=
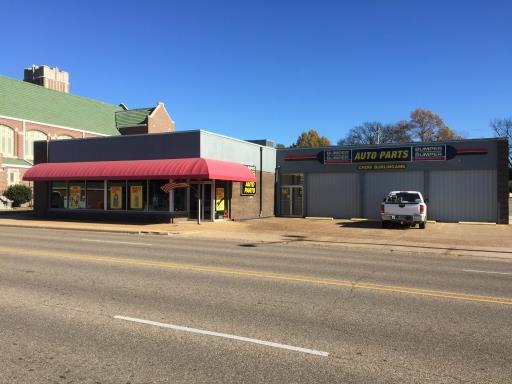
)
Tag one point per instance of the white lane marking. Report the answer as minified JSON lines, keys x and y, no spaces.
{"x":115,"y":242}
{"x":225,"y":335}
{"x":490,"y":272}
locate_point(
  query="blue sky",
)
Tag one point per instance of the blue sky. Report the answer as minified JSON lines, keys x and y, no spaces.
{"x":271,"y":69}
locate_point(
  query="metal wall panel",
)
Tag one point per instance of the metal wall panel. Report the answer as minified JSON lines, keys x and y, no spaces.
{"x":219,"y":147}
{"x":377,"y":185}
{"x":333,"y":195}
{"x":173,"y":145}
{"x":463,"y":195}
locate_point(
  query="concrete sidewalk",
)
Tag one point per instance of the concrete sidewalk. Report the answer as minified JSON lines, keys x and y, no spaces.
{"x":439,"y":238}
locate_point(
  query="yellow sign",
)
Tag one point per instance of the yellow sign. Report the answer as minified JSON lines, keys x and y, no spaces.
{"x":74,"y":196}
{"x":248,"y":188}
{"x":116,"y":197}
{"x":136,"y":200}
{"x":219,"y":199}
{"x":381,"y":167}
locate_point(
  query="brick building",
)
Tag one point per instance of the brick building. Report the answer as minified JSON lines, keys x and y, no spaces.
{"x":41,"y":108}
{"x":154,"y":177}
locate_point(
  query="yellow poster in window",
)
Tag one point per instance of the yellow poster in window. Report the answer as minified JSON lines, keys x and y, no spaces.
{"x":74,"y":196}
{"x":116,"y":197}
{"x":136,"y":200}
{"x":219,"y":199}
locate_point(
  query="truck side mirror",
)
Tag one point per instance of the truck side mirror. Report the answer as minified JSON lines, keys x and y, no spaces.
{"x":427,"y":201}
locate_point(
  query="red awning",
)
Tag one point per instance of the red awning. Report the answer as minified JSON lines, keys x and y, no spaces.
{"x":196,"y":168}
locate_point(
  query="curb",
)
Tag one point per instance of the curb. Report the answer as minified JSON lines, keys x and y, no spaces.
{"x":476,"y":223}
{"x":125,"y":231}
{"x":319,"y":218}
{"x":102,"y":230}
{"x":162,"y":233}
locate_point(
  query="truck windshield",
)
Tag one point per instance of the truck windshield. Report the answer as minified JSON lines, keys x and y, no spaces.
{"x":404,"y":198}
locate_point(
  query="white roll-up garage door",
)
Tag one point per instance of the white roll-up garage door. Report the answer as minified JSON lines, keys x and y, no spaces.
{"x":378,"y":185}
{"x":333,"y":195}
{"x":463,"y":195}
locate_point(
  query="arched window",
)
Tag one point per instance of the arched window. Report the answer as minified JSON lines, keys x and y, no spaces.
{"x":6,"y":141}
{"x":30,"y":137}
{"x":64,"y":137}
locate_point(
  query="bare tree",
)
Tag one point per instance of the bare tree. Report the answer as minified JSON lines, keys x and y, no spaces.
{"x":424,"y":125}
{"x":374,"y":132}
{"x":503,"y":128}
{"x":369,"y":132}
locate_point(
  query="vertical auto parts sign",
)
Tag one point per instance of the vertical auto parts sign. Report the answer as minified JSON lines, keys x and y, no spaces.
{"x":248,"y":188}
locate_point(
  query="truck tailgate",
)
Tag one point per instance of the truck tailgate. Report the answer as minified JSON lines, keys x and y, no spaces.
{"x":402,"y":209}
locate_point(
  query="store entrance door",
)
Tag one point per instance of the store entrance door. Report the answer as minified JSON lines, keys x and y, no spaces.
{"x":201,"y":191}
{"x":291,"y":201}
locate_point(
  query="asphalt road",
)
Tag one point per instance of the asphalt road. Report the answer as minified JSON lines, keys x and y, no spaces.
{"x":359,"y":316}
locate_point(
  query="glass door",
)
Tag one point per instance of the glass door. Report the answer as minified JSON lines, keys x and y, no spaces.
{"x":286,"y":201}
{"x":296,"y":201}
{"x":291,"y":201}
{"x":195,"y":194}
{"x":221,"y":210}
{"x":204,"y":192}
{"x":206,"y":201}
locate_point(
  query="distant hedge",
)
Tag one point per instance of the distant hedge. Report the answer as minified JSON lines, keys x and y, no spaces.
{"x":19,"y":194}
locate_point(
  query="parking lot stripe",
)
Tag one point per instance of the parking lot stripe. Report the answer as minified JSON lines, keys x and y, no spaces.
{"x":224,"y":335}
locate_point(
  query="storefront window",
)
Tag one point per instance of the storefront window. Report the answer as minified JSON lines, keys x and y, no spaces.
{"x":76,"y":195}
{"x":116,"y":195}
{"x":137,"y":195}
{"x":297,"y":179}
{"x":95,"y":194}
{"x":180,"y":200}
{"x":59,"y":194}
{"x":158,"y":199}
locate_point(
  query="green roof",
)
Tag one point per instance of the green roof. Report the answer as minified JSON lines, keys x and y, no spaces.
{"x":12,"y":161}
{"x":28,"y":101}
{"x":132,"y":117}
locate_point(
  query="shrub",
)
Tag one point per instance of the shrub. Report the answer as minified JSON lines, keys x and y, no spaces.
{"x":19,"y":194}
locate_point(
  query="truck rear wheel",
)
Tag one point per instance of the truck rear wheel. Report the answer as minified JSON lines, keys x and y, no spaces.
{"x":423,"y":224}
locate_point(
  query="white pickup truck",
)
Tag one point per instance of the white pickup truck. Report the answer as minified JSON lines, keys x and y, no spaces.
{"x":404,"y":207}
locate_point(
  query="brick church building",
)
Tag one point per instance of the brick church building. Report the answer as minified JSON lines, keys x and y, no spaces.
{"x":41,"y":108}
